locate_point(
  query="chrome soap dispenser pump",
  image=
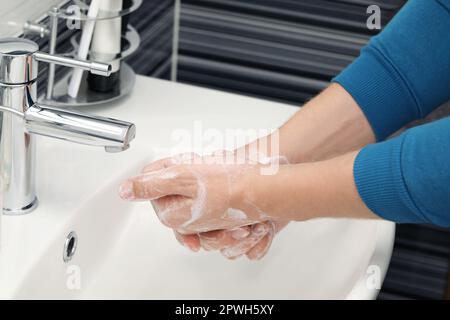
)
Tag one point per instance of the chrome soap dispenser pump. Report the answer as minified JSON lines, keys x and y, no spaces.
{"x":106,"y":47}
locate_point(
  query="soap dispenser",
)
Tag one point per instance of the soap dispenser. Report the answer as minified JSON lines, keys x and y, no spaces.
{"x":105,"y":36}
{"x":106,"y":46}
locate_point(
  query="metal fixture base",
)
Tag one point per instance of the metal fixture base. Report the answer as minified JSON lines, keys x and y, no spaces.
{"x":70,"y":246}
{"x":87,"y":97}
{"x":25,"y":210}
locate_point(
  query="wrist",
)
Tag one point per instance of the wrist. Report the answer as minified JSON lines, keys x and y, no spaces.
{"x":241,"y":183}
{"x":252,"y":193}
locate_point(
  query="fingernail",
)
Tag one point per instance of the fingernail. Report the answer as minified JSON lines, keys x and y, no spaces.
{"x":193,"y":248}
{"x":260,"y":229}
{"x":231,"y":253}
{"x":207,"y":247}
{"x":240,"y":233}
{"x":258,"y":255}
{"x":255,"y":257}
{"x":147,"y":168}
{"x":179,"y":240}
{"x":126,"y":190}
{"x":186,"y":244}
{"x":211,"y":235}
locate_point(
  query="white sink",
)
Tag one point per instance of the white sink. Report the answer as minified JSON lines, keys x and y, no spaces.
{"x":123,"y":250}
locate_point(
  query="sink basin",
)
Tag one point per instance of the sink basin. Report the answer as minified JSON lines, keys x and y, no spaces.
{"x":124,"y":252}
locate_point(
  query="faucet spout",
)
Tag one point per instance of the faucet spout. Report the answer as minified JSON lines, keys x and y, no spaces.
{"x":113,"y":135}
{"x":21,"y":119}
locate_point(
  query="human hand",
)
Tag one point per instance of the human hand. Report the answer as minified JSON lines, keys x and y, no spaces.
{"x":253,"y":238}
{"x":200,"y":194}
{"x":252,"y":241}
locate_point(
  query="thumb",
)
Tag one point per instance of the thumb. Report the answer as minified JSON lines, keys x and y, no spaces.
{"x":153,"y":185}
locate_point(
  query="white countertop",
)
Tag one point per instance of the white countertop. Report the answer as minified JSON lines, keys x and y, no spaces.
{"x":14,"y":14}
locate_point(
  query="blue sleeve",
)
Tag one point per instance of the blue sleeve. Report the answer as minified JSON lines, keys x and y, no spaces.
{"x":402,"y":75}
{"x":407,"y":179}
{"x":404,"y":72}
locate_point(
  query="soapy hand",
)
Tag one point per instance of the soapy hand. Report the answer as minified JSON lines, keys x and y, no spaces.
{"x":254,"y":240}
{"x":202,"y":198}
{"x":199,"y":194}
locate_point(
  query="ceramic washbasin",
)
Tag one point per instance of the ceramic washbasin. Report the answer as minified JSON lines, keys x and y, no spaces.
{"x":123,"y":251}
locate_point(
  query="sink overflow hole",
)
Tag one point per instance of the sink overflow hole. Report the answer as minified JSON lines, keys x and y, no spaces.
{"x":70,"y":246}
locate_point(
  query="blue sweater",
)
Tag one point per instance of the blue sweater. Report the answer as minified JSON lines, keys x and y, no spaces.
{"x":402,"y":75}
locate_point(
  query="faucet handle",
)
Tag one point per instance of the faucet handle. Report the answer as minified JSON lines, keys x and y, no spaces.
{"x":103,"y":69}
{"x":18,"y":61}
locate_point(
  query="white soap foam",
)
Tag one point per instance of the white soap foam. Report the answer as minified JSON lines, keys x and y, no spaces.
{"x":243,"y":246}
{"x":199,"y":204}
{"x":168,"y":175}
{"x":235,"y":214}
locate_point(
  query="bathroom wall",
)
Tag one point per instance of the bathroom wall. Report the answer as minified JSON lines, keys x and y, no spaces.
{"x":154,"y":22}
{"x":281,"y":50}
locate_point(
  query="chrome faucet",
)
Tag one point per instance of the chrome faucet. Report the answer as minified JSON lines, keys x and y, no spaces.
{"x":21,"y":118}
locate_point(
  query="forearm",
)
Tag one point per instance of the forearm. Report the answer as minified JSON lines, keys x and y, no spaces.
{"x":329,"y":125}
{"x":392,"y":83}
{"x":404,"y":180}
{"x":397,"y":78}
{"x":304,"y":191}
